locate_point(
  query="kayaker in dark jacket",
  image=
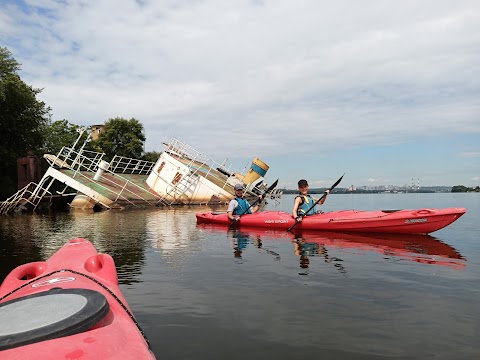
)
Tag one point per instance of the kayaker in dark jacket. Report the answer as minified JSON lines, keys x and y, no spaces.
{"x":303,"y":201}
{"x":239,"y":205}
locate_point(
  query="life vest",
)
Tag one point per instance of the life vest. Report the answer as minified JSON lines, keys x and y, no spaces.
{"x":242,"y":208}
{"x":305,"y":205}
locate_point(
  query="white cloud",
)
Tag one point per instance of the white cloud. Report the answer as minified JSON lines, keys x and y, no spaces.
{"x":472,"y":154}
{"x":309,"y":75}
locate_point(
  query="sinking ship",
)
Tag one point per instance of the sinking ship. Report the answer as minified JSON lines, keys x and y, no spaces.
{"x":180,"y":176}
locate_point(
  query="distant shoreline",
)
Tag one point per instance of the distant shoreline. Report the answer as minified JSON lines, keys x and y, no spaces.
{"x":345,"y":191}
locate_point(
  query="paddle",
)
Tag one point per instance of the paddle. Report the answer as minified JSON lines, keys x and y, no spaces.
{"x":270,"y":188}
{"x":316,"y":202}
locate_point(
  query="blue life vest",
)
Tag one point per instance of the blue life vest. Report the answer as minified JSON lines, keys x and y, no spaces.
{"x":242,"y":208}
{"x":305,"y":205}
{"x":307,"y":249}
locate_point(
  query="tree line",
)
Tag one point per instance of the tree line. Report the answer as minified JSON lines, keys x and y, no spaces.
{"x":26,"y":125}
{"x":461,"y":188}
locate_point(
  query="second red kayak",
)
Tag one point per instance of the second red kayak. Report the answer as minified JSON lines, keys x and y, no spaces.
{"x":420,"y":221}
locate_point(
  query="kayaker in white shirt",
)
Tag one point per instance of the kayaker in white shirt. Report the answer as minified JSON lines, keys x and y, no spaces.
{"x":239,"y":205}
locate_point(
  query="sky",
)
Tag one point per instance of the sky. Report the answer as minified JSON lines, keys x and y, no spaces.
{"x":387,"y":92}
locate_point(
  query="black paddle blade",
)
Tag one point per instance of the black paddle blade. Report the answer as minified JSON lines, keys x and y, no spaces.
{"x":338,"y":182}
{"x":271,"y":187}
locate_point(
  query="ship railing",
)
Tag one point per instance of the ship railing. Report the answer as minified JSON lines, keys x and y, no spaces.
{"x":184,"y":150}
{"x":21,"y":198}
{"x":198,"y":164}
{"x":69,"y":158}
{"x":209,"y":166}
{"x":88,"y":161}
{"x":125,"y":165}
{"x":179,"y":148}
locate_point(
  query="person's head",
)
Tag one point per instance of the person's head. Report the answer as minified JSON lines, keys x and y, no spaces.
{"x":303,"y":186}
{"x":238,"y":190}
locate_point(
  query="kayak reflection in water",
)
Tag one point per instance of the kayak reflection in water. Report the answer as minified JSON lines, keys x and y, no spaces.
{"x":304,"y":249}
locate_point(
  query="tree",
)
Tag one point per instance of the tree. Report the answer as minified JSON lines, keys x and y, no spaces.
{"x":23,"y":120}
{"x":461,"y":188}
{"x":151,"y":156}
{"x":61,"y":133}
{"x":121,"y":137}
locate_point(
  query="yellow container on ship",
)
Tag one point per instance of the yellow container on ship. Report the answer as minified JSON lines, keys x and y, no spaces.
{"x":258,"y":169}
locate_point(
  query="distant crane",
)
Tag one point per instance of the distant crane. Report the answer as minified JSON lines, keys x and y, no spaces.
{"x":413,"y":184}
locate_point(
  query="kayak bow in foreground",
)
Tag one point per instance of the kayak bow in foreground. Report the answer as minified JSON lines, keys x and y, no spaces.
{"x":68,"y":307}
{"x":421,"y":221}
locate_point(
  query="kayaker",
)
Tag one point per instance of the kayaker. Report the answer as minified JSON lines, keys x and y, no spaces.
{"x":240,"y":206}
{"x":303,"y":201}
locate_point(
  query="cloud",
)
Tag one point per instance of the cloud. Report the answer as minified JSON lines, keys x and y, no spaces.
{"x":471,"y":154}
{"x":305,"y":75}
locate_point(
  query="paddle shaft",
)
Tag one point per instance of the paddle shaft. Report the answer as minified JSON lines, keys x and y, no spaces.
{"x":316,"y":202}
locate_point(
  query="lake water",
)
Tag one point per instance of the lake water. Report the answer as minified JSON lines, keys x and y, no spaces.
{"x":208,"y":293}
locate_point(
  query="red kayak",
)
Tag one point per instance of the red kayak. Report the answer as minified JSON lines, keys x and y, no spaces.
{"x":413,"y":247}
{"x":68,"y":307}
{"x":422,"y":221}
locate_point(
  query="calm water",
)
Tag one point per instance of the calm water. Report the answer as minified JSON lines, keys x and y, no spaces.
{"x":209,"y":293}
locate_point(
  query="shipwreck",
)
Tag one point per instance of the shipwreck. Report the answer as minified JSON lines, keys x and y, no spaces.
{"x":180,"y":176}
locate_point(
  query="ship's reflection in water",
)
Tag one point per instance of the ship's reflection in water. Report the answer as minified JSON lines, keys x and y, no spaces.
{"x":410,"y":247}
{"x":172,"y":233}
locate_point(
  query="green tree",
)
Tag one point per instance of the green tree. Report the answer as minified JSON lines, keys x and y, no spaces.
{"x":61,"y":133}
{"x":23,"y":120}
{"x":122,"y":137}
{"x":459,"y":188}
{"x":151,"y":156}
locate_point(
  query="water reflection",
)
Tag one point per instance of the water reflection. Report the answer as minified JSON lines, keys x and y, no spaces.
{"x":241,"y":239}
{"x":304,"y":248}
{"x":172,"y":233}
{"x":411,"y":247}
{"x":35,"y":237}
{"x":240,"y":242}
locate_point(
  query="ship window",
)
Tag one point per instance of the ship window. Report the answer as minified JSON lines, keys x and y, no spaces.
{"x":177,"y":178}
{"x":161,"y":167}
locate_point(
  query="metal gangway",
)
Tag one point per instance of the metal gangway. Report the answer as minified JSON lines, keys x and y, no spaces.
{"x":22,"y":199}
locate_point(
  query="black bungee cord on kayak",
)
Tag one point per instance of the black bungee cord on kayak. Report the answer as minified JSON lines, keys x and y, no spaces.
{"x":95,"y":281}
